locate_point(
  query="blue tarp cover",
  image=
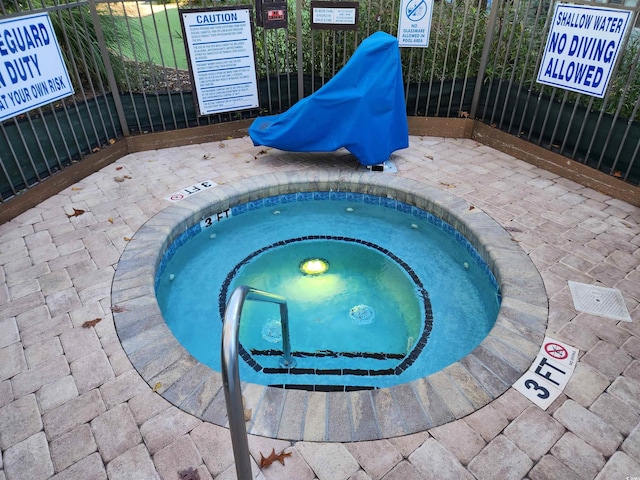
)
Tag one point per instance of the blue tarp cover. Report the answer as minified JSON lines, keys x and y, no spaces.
{"x":361,"y":108}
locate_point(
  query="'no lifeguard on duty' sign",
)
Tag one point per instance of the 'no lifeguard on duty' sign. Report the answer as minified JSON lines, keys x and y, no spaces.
{"x":582,"y":48}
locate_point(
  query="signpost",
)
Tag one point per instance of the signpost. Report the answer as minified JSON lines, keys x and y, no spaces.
{"x":582,"y":48}
{"x":32,"y":70}
{"x":221,"y":58}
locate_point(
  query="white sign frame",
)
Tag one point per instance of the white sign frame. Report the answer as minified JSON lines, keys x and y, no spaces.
{"x":414,"y":23}
{"x":219,"y":44}
{"x":582,"y":47}
{"x":32,"y":72}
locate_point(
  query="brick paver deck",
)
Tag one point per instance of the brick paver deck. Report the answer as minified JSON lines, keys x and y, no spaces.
{"x":73,"y":407}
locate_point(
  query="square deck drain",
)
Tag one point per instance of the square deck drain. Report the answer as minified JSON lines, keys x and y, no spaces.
{"x":606,"y":302}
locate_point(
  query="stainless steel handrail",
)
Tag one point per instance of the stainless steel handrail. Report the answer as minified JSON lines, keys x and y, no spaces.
{"x":231,"y":372}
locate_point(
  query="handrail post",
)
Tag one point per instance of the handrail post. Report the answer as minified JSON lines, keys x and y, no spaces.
{"x":231,"y":369}
{"x":231,"y":384}
{"x":287,"y":361}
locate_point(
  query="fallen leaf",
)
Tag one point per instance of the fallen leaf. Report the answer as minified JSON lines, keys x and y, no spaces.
{"x":262,"y":152}
{"x":118,"y":309}
{"x":273,"y":456}
{"x":91,"y":323}
{"x":119,"y":179}
{"x":127,"y":239}
{"x":110,"y":220}
{"x":448,"y":185}
{"x":97,"y":149}
{"x":128,"y":177}
{"x":463,"y":114}
{"x":76,"y":213}
{"x":119,"y":168}
{"x":75,"y":189}
{"x":189,"y":474}
{"x":248,"y":413}
{"x":112,"y":141}
{"x":157,"y":387}
{"x":617,"y":174}
{"x":471,"y":207}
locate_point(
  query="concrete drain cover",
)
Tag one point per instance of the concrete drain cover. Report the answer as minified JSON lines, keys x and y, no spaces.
{"x":606,"y":302}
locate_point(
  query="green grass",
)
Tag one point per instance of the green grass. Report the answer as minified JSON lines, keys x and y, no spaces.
{"x":155,"y":38}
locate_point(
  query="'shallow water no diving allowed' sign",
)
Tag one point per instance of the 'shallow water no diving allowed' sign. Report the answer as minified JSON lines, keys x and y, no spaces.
{"x":582,"y":48}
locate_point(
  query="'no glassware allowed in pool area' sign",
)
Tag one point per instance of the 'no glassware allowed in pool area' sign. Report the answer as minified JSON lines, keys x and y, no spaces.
{"x":414,"y":23}
{"x":32,"y":71}
{"x":582,"y":48}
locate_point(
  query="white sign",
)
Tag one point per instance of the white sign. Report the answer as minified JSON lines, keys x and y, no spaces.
{"x":220,"y":50}
{"x":414,"y":23}
{"x":331,"y":16}
{"x":32,"y":70}
{"x":193,"y":189}
{"x":549,"y":374}
{"x":582,"y":48}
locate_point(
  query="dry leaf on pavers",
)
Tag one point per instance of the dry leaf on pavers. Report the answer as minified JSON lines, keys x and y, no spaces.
{"x":448,"y":185}
{"x":248,"y":412}
{"x":189,"y":474}
{"x":119,"y":168}
{"x":471,"y":207}
{"x":110,"y":220}
{"x":273,"y":456}
{"x":91,"y":323}
{"x":118,"y":309}
{"x":157,"y":387}
{"x":76,"y":213}
{"x":127,"y":239}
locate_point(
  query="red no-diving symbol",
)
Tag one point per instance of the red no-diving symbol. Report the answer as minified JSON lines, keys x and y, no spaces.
{"x":556,"y":351}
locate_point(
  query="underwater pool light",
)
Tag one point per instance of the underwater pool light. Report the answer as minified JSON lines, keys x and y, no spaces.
{"x":314,"y":266}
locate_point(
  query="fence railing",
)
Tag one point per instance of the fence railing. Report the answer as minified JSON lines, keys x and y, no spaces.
{"x":128,"y":64}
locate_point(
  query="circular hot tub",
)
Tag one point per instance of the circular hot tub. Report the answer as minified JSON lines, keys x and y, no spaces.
{"x":317,"y":412}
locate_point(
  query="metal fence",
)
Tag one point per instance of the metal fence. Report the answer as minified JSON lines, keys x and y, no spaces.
{"x":128,"y":65}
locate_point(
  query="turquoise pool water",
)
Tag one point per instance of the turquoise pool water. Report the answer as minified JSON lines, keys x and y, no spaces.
{"x":404,"y":296}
